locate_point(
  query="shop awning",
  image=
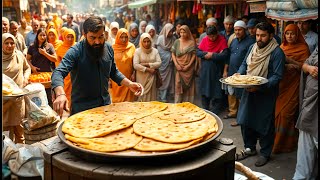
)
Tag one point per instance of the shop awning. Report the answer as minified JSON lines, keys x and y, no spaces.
{"x":141,"y":3}
{"x":220,"y":2}
{"x":299,"y":15}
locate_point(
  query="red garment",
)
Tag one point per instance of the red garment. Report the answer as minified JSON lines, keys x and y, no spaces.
{"x":213,"y":46}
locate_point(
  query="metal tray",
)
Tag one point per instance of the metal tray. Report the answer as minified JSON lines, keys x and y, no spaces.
{"x":132,"y":154}
{"x":264,"y":81}
{"x":7,"y":97}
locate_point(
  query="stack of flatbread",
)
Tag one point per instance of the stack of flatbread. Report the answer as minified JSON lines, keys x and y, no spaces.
{"x":243,"y":79}
{"x":140,"y":126}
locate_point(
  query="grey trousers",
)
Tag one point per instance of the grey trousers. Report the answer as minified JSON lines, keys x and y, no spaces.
{"x":307,"y":157}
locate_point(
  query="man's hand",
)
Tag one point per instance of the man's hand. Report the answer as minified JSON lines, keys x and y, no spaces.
{"x":137,"y":88}
{"x":60,"y":101}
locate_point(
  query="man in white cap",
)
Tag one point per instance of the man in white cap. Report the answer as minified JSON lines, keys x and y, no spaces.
{"x":238,"y":48}
{"x":210,"y":22}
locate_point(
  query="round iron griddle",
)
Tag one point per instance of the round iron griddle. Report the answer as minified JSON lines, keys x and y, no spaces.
{"x":132,"y":154}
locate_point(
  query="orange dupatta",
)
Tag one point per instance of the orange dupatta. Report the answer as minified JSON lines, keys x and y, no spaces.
{"x":61,"y":51}
{"x":123,"y":56}
{"x":57,"y":43}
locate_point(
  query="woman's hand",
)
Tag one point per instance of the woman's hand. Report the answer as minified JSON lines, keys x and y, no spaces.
{"x":313,"y":71}
{"x":151,"y":71}
{"x":208,"y":55}
{"x":42,"y":51}
{"x":34,"y":69}
{"x":133,"y":76}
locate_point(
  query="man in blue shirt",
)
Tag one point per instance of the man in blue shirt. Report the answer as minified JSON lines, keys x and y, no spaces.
{"x":31,"y":36}
{"x":91,"y":64}
{"x":256,"y":113}
{"x":310,"y":37}
{"x":238,"y":48}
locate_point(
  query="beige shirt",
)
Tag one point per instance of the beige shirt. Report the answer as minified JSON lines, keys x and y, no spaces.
{"x":24,"y":32}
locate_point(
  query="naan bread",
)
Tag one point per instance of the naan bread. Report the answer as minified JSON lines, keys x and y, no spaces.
{"x":152,"y":145}
{"x":96,"y":123}
{"x":181,"y":113}
{"x":243,"y":79}
{"x":167,"y":131}
{"x":116,"y":141}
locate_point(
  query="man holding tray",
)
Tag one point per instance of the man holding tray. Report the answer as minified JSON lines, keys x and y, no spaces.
{"x":257,"y":106}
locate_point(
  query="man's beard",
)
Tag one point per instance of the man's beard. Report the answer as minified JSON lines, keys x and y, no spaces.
{"x":94,"y":52}
{"x":261,"y":44}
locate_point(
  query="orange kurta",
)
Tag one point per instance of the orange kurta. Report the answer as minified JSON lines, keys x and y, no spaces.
{"x":61,"y":51}
{"x":123,"y":57}
{"x":286,"y":135}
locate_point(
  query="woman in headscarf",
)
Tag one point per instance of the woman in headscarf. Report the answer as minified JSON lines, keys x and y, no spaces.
{"x":41,"y":57}
{"x":61,"y":33}
{"x":184,"y":58}
{"x":134,"y":34}
{"x":114,"y":27}
{"x":146,"y":61}
{"x":213,"y":51}
{"x":53,"y":38}
{"x":15,"y":66}
{"x":123,"y":57}
{"x":152,"y":32}
{"x":296,"y":50}
{"x":107,"y":35}
{"x":51,"y":25}
{"x":142,"y":27}
{"x":69,"y":40}
{"x":164,"y":45}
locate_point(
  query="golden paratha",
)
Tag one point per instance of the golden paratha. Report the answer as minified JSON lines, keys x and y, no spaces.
{"x":167,"y":131}
{"x":116,"y":141}
{"x":96,"y":123}
{"x":152,"y":145}
{"x":181,"y":113}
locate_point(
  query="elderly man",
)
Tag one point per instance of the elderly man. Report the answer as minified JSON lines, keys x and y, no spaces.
{"x":238,"y":47}
{"x":310,"y":37}
{"x":72,"y":25}
{"x":5,"y":25}
{"x":256,"y":113}
{"x":20,"y":43}
{"x":228,"y":23}
{"x":31,"y":36}
{"x":24,"y":28}
{"x":210,"y":22}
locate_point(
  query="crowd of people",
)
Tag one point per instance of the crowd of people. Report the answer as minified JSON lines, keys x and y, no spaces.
{"x":95,"y":63}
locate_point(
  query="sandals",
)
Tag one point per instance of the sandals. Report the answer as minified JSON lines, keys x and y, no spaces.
{"x":244,"y":154}
{"x":234,"y":123}
{"x":229,"y":116}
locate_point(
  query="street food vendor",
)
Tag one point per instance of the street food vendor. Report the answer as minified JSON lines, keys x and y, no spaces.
{"x":91,"y":63}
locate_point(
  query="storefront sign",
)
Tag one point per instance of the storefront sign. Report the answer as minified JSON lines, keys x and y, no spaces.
{"x":256,"y":7}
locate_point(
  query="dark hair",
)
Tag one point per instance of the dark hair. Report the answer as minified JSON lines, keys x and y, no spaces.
{"x":93,"y":24}
{"x":70,"y":15}
{"x":212,"y":30}
{"x":179,"y":21}
{"x":265,"y":26}
{"x":36,"y":41}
